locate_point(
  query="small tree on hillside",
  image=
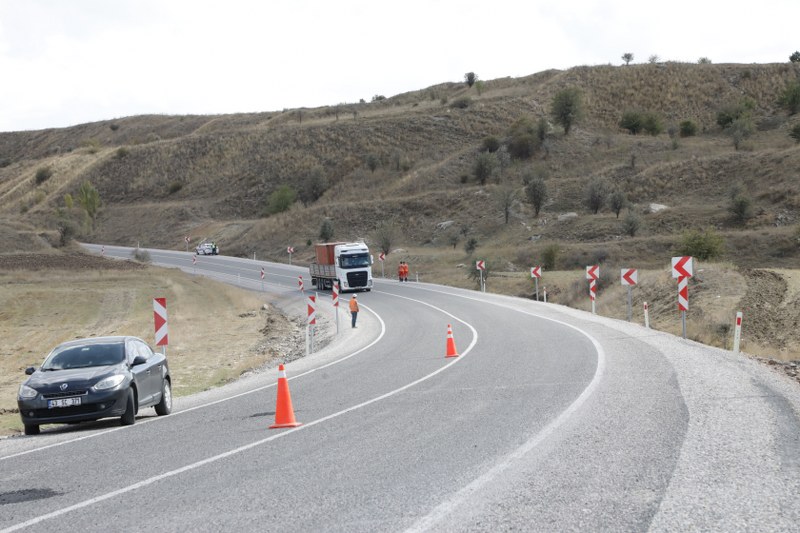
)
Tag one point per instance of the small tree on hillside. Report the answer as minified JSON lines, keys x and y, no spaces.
{"x":687,"y":128}
{"x":652,"y":124}
{"x":617,"y":201}
{"x":704,"y":61}
{"x":627,"y":57}
{"x":326,"y":230}
{"x":536,"y":193}
{"x":505,"y":198}
{"x":484,"y":167}
{"x":550,"y":256}
{"x":313,"y":185}
{"x":372,"y":161}
{"x":567,"y":108}
{"x":631,"y":223}
{"x":280,"y":200}
{"x":470,"y":78}
{"x":790,"y":98}
{"x":795,"y":57}
{"x":740,"y":208}
{"x":596,"y":195}
{"x":384,"y":235}
{"x":703,"y":245}
{"x":741,"y":129}
{"x":633,"y":121}
{"x":89,"y":199}
{"x":470,"y":245}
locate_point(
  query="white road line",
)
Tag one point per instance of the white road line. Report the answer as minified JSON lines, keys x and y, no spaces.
{"x":235,"y":451}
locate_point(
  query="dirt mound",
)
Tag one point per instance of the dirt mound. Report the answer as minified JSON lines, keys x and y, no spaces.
{"x":68,"y":261}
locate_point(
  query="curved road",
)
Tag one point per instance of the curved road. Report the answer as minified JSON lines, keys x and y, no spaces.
{"x":550,"y":419}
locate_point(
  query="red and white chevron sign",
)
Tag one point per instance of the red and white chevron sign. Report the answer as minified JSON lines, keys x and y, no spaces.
{"x":335,"y":294}
{"x":381,"y":256}
{"x":300,"y":282}
{"x":629,"y":276}
{"x":593,"y":272}
{"x":262,"y":272}
{"x":592,"y":289}
{"x":312,"y":309}
{"x":682,"y":267}
{"x":480,"y":264}
{"x":289,"y":250}
{"x":536,"y":272}
{"x":683,"y":293}
{"x":160,"y":318}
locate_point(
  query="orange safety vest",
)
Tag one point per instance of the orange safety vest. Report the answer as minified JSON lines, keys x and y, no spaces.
{"x":405,"y":270}
{"x":353,"y":305}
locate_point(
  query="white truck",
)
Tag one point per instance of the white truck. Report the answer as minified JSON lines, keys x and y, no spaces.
{"x":348,"y":262}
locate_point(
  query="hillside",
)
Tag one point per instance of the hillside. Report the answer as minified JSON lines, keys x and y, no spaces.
{"x":408,"y":160}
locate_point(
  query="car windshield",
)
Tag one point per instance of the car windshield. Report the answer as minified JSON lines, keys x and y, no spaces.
{"x":85,"y":356}
{"x":354,"y":260}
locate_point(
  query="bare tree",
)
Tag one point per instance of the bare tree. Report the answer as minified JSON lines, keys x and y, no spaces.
{"x":627,"y":57}
{"x":505,"y":198}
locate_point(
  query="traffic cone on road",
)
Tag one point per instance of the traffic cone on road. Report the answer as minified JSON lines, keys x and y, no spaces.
{"x":451,"y":343}
{"x":284,"y":414}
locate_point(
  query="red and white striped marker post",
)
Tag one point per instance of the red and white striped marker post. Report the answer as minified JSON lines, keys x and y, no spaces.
{"x":683,"y":269}
{"x":646,"y":316}
{"x":480,"y":265}
{"x":382,"y":258}
{"x":262,"y":279}
{"x":536,"y":273}
{"x":311,"y":303}
{"x":737,"y":332}
{"x":592,"y":273}
{"x":300,"y":283}
{"x":103,"y":250}
{"x":629,"y":277}
{"x":335,"y":297}
{"x":186,"y":240}
{"x":160,"y":319}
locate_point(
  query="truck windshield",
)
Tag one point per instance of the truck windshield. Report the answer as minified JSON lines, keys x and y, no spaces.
{"x":354,"y":260}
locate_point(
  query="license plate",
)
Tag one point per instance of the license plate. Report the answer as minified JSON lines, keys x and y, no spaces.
{"x":63,"y":402}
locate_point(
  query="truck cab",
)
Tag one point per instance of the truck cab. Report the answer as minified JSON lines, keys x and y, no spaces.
{"x":348,"y":263}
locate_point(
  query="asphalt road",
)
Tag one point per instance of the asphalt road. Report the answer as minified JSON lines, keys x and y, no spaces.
{"x":550,"y":419}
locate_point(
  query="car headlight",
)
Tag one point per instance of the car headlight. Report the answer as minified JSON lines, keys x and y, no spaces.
{"x":109,"y":383}
{"x":27,"y":393}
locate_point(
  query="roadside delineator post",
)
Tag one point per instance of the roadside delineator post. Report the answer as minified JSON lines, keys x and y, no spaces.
{"x":646,"y":316}
{"x":737,"y":332}
{"x":335,"y":296}
{"x":312,"y":321}
{"x":284,"y":413}
{"x":544,"y":289}
{"x":592,"y":274}
{"x":300,"y":283}
{"x":160,"y":320}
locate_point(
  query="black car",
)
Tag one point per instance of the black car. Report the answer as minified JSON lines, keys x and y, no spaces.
{"x":98,"y":377}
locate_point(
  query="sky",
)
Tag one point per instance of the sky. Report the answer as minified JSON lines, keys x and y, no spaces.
{"x":68,"y":62}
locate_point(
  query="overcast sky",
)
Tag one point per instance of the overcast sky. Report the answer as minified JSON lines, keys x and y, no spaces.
{"x":66,"y":62}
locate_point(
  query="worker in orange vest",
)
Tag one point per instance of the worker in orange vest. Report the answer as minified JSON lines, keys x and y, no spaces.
{"x":400,"y":271}
{"x":353,"y":309}
{"x":405,"y":271}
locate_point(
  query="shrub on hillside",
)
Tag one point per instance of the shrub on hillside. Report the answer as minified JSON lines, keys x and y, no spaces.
{"x":795,"y":133}
{"x":490,"y":144}
{"x":652,"y":124}
{"x":790,"y":98}
{"x":280,"y":200}
{"x":596,"y":195}
{"x":740,"y":208}
{"x":484,"y":167}
{"x":632,"y":121}
{"x":688,"y":128}
{"x":728,"y":114}
{"x":550,"y":256}
{"x":703,"y":245}
{"x":43,"y":174}
{"x":470,"y":245}
{"x":631,"y":224}
{"x":461,"y":102}
{"x":174,"y":187}
{"x":143,"y":256}
{"x":795,"y":57}
{"x":326,"y":230}
{"x":567,"y":108}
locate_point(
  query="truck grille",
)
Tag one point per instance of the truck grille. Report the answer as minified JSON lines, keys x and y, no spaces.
{"x":357,"y":279}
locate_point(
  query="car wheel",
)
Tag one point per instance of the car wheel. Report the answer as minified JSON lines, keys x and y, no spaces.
{"x":129,"y":416}
{"x":164,"y":407}
{"x":31,"y":429}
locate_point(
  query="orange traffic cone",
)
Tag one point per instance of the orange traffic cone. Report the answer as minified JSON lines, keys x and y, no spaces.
{"x":451,"y":343}
{"x":284,"y":414}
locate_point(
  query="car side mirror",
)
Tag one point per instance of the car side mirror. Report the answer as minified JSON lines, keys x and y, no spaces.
{"x":139,"y":360}
{"x":30,"y":370}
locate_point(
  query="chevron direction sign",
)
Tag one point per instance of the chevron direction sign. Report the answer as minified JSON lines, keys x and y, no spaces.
{"x":593,"y":272}
{"x":536,"y":272}
{"x":682,"y":267}
{"x":629,"y":276}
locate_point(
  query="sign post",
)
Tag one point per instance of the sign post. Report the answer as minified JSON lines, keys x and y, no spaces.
{"x":186,"y":239}
{"x":481,"y":266}
{"x":683,"y":269}
{"x":290,"y":251}
{"x":335,"y":296}
{"x":536,"y":273}
{"x":646,"y":316}
{"x":160,"y":320}
{"x":312,"y":319}
{"x":629,"y":277}
{"x":592,"y":273}
{"x":382,"y":258}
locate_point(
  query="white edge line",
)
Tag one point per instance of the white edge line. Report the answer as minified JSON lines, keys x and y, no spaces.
{"x":229,"y":453}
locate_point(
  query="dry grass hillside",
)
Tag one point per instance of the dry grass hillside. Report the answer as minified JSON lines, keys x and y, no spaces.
{"x":408,"y":161}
